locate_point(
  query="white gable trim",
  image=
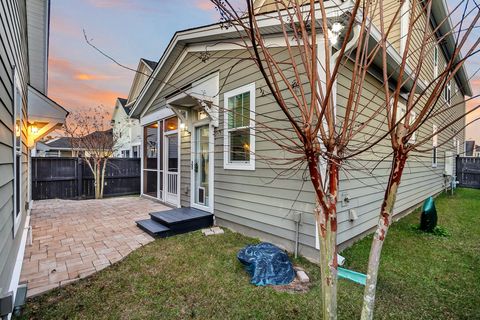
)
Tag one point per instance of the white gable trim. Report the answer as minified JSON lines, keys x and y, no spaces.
{"x":160,"y":88}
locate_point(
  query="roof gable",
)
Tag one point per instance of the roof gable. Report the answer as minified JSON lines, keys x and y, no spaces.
{"x":144,"y":70}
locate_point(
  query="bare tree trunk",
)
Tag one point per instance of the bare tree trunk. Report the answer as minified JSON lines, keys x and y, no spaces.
{"x":326,"y":219}
{"x":384,"y":223}
{"x":103,"y":177}
{"x":97,"y":180}
{"x":328,"y":267}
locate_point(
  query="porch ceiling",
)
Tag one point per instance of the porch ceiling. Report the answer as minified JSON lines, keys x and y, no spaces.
{"x":44,"y":114}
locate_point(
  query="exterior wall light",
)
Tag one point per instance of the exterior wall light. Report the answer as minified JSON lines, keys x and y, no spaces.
{"x":334,"y":32}
{"x":34,"y":129}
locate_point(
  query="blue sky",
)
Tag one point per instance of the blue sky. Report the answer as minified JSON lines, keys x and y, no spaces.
{"x":79,"y":77}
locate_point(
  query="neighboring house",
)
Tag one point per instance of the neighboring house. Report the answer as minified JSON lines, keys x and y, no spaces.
{"x":65,"y":147}
{"x":477,"y":151}
{"x":128,"y":131}
{"x":470,"y":148}
{"x":194,"y":157}
{"x":57,"y":147}
{"x":26,"y":115}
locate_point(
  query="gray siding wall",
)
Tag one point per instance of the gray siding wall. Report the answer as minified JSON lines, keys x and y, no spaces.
{"x":257,"y":200}
{"x":263,"y":202}
{"x":13,"y":52}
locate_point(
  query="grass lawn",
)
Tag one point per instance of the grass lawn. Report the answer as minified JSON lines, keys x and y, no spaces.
{"x":191,"y":276}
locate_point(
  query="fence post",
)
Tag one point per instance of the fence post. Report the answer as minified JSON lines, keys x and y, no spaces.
{"x":79,"y":178}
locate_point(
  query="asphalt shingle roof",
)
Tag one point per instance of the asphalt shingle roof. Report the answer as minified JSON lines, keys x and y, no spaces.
{"x":151,"y":64}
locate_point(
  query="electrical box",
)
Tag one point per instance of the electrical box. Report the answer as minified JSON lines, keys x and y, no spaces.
{"x":6,"y":304}
{"x":449,"y":164}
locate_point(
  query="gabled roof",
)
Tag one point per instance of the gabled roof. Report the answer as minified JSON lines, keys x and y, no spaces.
{"x":150,"y":63}
{"x":61,"y":143}
{"x":66,"y":142}
{"x":141,"y":73}
{"x":216,"y":32}
{"x":123,"y":103}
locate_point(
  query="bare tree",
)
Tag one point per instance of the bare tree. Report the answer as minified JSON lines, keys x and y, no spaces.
{"x":430,"y":100}
{"x":89,"y":133}
{"x":323,"y":41}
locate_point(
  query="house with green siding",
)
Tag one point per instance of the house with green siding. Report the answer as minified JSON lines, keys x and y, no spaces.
{"x":26,"y":115}
{"x":196,"y":154}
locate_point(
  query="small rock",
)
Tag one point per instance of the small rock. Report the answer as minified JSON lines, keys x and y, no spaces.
{"x":217,"y":230}
{"x":208,"y":232}
{"x":302,"y":276}
{"x":297,"y":268}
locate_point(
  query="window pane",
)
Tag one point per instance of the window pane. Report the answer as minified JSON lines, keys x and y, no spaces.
{"x":240,"y":145}
{"x":173,"y":153}
{"x":18,"y":184}
{"x":171,"y":124}
{"x":150,"y":183}
{"x":239,"y":110}
{"x":151,"y":146}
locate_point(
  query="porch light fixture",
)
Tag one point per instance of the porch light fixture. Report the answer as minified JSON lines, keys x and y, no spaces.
{"x":18,"y":130}
{"x":34,"y":129}
{"x":334,"y":32}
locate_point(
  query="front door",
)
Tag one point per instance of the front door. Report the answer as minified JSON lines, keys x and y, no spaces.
{"x":171,"y":166}
{"x":201,"y":182}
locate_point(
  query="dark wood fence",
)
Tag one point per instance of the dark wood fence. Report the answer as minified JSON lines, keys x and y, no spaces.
{"x":71,"y":178}
{"x":468,"y":172}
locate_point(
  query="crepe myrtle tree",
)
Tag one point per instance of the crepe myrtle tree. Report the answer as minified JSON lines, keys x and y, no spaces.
{"x":318,"y":47}
{"x":89,"y":132}
{"x":434,"y":106}
{"x":324,"y":42}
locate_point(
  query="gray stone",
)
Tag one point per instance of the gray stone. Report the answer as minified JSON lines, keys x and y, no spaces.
{"x":302,"y":276}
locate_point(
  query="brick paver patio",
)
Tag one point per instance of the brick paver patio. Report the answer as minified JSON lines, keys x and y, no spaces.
{"x":74,"y":239}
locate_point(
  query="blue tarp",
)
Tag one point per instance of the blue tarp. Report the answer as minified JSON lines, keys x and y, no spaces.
{"x":267,"y":264}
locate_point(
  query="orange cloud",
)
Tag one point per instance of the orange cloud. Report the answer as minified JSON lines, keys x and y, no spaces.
{"x":86,"y":77}
{"x":206,"y":5}
{"x":68,"y":86}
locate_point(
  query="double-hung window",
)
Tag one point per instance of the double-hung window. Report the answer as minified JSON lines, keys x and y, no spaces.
{"x":435,"y":62}
{"x":17,"y":152}
{"x":448,"y":92}
{"x":402,"y":109}
{"x":239,"y":125}
{"x":434,"y":145}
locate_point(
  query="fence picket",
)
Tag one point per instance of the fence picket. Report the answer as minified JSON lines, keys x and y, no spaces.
{"x":70,"y":178}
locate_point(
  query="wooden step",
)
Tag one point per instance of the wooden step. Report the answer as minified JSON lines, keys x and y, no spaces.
{"x":183,"y":219}
{"x":181,"y":216}
{"x":154,"y":228}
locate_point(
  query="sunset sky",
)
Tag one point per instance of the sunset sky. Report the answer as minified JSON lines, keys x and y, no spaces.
{"x":79,"y":77}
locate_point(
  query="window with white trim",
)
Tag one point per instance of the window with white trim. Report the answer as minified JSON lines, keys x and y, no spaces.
{"x":447,"y":93}
{"x":405,"y":13}
{"x":435,"y":62}
{"x":17,"y":152}
{"x":239,"y":124}
{"x":402,"y":109}
{"x":434,"y":145}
